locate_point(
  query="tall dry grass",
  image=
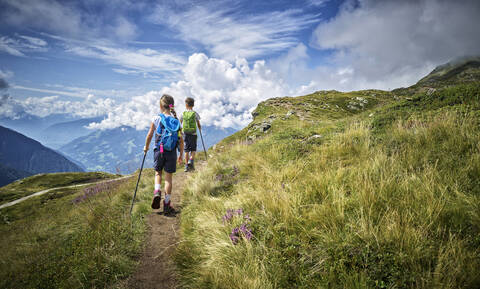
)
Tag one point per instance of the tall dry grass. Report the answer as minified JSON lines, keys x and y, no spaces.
{"x":400,"y":209}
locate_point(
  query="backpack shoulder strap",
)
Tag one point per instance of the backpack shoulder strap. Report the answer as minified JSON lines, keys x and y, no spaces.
{"x":162,"y":123}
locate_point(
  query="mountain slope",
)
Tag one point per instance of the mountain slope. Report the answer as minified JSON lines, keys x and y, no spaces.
{"x":461,"y":70}
{"x":8,"y":175}
{"x":32,"y":126}
{"x":59,"y":134}
{"x":27,"y":155}
{"x":108,"y":150}
{"x":329,"y":191}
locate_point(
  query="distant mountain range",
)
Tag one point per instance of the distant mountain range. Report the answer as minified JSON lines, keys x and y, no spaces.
{"x":53,"y":130}
{"x":120,"y":150}
{"x":21,"y":156}
{"x":115,"y":150}
{"x":58,"y":134}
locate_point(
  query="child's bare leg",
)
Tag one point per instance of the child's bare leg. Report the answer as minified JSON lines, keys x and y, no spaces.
{"x":168,"y":186}
{"x":158,"y":180}
{"x":187,"y":157}
{"x":193,"y":156}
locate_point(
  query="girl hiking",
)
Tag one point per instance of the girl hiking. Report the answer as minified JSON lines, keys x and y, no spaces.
{"x":167,"y":138}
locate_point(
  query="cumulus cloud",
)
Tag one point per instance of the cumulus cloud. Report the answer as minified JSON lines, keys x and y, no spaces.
{"x":43,"y":106}
{"x":386,"y":44}
{"x":225,"y":93}
{"x":7,"y":107}
{"x":3,"y":84}
{"x":227,"y":33}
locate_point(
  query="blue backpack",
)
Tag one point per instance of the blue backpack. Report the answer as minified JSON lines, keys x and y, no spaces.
{"x":168,"y":135}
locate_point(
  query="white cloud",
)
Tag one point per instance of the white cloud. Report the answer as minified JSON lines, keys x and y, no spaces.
{"x":387,"y":44}
{"x":225,"y":93}
{"x":6,"y":73}
{"x":141,"y":60}
{"x":22,"y":44}
{"x":228,"y":34}
{"x":319,"y":3}
{"x":8,"y":45}
{"x":37,"y":42}
{"x":108,"y":19}
{"x":43,"y":106}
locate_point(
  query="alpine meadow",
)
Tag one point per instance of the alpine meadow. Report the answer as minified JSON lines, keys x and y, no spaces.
{"x":213,"y":144}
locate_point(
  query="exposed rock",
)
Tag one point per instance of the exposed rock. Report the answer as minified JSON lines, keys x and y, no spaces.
{"x":430,"y":91}
{"x":265,"y":126}
{"x":361,"y":99}
{"x":313,"y":137}
{"x":290,"y":113}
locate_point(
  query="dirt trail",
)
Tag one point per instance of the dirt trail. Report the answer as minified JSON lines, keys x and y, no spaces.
{"x":156,"y":268}
{"x":58,"y":188}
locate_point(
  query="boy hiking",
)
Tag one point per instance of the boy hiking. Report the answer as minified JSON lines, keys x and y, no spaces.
{"x":190,"y":121}
{"x":167,"y":137}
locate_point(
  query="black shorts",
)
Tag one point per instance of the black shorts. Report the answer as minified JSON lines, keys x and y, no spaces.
{"x":165,"y":161}
{"x":190,"y":142}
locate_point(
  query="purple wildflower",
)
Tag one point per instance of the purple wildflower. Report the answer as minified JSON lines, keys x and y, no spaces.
{"x":247,"y":217}
{"x":239,"y":212}
{"x":234,"y":238}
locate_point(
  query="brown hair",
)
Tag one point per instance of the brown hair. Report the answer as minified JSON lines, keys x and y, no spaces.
{"x":166,"y":103}
{"x":190,"y":101}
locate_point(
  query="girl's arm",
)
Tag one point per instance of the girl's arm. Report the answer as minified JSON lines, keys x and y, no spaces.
{"x":149,"y":138}
{"x":180,"y":140}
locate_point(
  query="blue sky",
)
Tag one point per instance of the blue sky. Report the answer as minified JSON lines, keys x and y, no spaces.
{"x":116,"y":58}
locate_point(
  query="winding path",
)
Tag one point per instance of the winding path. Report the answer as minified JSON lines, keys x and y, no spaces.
{"x":156,"y":269}
{"x":66,"y":187}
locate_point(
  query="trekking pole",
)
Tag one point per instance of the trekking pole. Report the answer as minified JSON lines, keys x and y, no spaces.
{"x":139,"y":174}
{"x":203,"y":144}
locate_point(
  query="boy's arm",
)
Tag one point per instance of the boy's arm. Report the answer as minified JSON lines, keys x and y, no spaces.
{"x":198,"y":125}
{"x":148,"y":139}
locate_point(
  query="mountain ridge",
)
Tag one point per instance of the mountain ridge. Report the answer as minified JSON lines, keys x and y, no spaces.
{"x":26,"y":155}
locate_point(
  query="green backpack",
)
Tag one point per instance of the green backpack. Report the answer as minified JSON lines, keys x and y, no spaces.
{"x":189,"y":122}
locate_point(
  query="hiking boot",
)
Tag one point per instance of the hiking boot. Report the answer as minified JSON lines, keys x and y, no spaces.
{"x":192,"y":167}
{"x":157,"y":197}
{"x":167,"y":208}
{"x":186,"y":168}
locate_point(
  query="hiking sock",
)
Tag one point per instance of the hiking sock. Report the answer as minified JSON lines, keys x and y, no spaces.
{"x":157,"y":187}
{"x":167,"y":199}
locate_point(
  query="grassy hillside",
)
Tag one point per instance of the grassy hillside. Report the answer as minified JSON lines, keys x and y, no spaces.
{"x":73,"y":238}
{"x":367,"y":189}
{"x":30,"y":185}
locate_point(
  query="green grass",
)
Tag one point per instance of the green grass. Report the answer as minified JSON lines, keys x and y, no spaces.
{"x":388,"y":197}
{"x":51,"y":241}
{"x":36,"y":183}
